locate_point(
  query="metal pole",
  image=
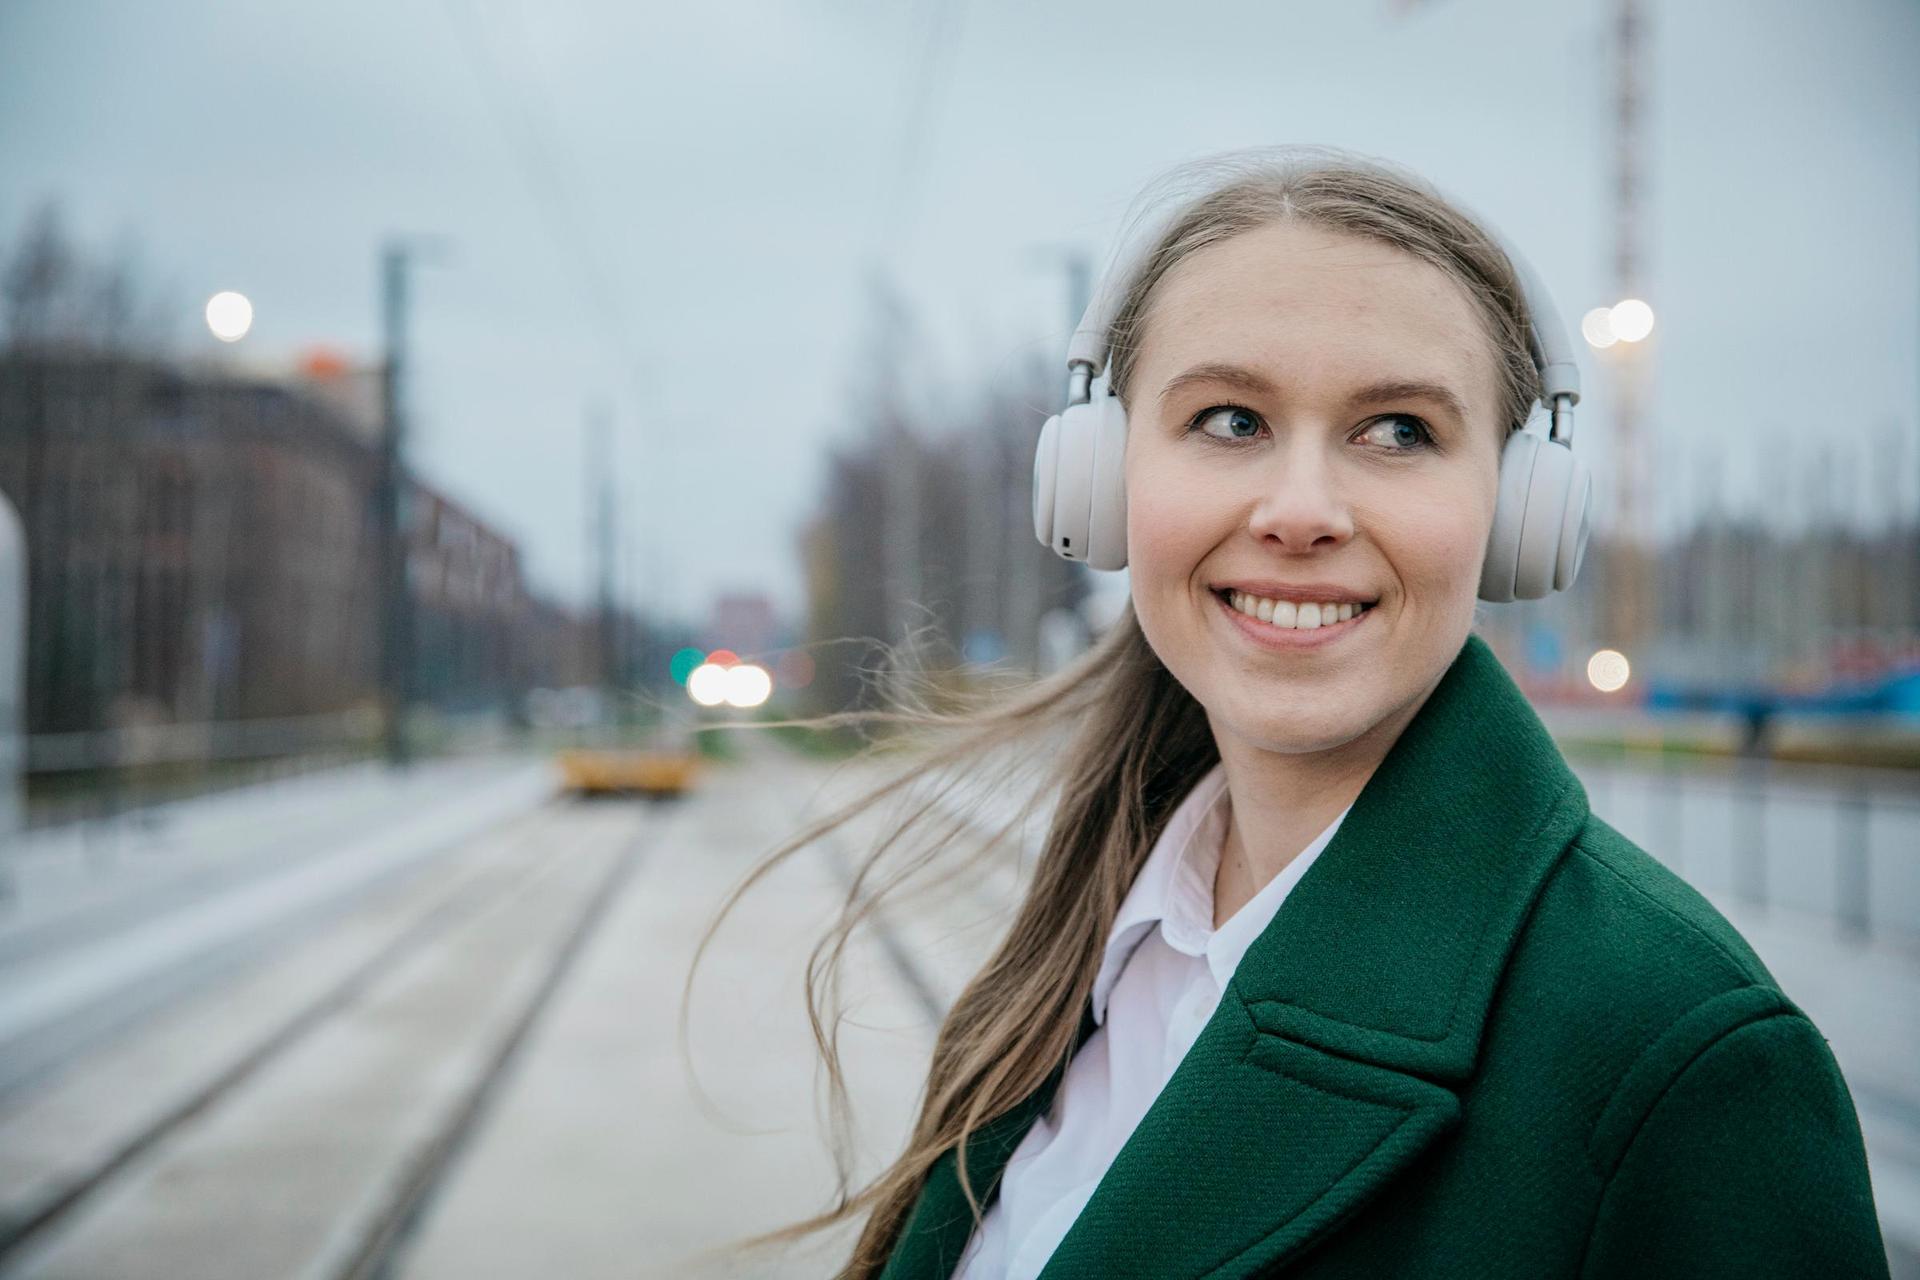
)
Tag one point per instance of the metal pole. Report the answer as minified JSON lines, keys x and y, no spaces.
{"x":396,"y":603}
{"x":1635,"y":511}
{"x":1752,"y":852}
{"x":13,"y":680}
{"x":601,"y":539}
{"x":1851,"y":863}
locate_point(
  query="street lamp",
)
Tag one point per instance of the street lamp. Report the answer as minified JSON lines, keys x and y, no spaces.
{"x":1597,"y":328}
{"x":1632,"y":319}
{"x":1608,"y":671}
{"x":1628,"y":320}
{"x":229,"y":315}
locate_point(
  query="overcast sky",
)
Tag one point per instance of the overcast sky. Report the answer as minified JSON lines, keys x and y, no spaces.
{"x":675,"y":208}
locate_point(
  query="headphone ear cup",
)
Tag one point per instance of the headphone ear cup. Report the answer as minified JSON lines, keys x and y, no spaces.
{"x":1069,"y":531}
{"x":1550,"y":500}
{"x":1540,"y":522}
{"x":1107,"y":510}
{"x":1509,"y":513}
{"x":1046,"y":471}
{"x":1079,"y":484}
{"x":1576,"y":525}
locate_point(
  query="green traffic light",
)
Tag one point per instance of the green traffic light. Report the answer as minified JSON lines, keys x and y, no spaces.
{"x":683,"y":664}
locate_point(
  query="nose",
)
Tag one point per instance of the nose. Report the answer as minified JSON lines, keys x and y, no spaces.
{"x":1301,"y":506}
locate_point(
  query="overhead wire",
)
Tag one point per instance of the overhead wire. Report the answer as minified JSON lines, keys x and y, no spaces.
{"x":546,"y":180}
{"x":923,"y":96}
{"x":552,"y":192}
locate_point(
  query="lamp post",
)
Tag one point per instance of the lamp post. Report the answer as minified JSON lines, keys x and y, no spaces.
{"x":13,"y":677}
{"x":396,"y":614}
{"x":397,"y":257}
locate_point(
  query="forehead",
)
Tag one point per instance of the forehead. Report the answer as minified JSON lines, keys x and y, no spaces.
{"x":1298,"y":301}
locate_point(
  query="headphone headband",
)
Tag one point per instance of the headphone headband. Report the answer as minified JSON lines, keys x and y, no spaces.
{"x":1547,"y":340}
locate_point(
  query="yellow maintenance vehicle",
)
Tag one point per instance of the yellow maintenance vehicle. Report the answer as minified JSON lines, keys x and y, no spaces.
{"x":667,"y":766}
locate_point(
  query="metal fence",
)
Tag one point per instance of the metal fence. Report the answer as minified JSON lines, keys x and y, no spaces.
{"x":1836,"y":845}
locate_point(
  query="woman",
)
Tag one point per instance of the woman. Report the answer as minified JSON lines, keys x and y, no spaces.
{"x":1326,"y":969}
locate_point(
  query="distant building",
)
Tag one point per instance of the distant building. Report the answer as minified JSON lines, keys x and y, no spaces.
{"x":471,"y":609}
{"x":203,"y":547}
{"x":921,"y":553}
{"x":743,"y":622}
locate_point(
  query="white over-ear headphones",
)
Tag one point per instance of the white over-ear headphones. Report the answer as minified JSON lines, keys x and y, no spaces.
{"x":1539,"y":525}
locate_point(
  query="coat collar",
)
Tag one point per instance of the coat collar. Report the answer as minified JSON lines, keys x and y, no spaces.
{"x":1174,"y":891}
{"x":1335,"y":1057}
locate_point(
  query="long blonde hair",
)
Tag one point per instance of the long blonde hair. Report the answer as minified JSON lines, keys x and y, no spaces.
{"x":1137,"y":742}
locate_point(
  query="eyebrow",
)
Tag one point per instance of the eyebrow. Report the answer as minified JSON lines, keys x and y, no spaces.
{"x":1387,"y":392}
{"x":1232,"y":375}
{"x":1377,"y":393}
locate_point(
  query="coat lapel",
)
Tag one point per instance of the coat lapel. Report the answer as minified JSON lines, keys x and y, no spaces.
{"x":1335,"y":1057}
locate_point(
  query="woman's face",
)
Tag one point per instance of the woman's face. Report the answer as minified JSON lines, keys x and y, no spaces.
{"x":1313,"y":419}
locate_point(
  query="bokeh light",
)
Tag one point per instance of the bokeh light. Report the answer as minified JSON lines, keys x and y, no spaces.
{"x":1597,"y":327}
{"x":1632,"y":320}
{"x":681,"y":665}
{"x":229,"y":315}
{"x":1608,"y":671}
{"x":723,"y":657}
{"x":707,"y":684}
{"x":324,"y":363}
{"x":747,"y":685}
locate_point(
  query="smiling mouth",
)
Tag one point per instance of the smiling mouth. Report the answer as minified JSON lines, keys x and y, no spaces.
{"x":1289,"y":615}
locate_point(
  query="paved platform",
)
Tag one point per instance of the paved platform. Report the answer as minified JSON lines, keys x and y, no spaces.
{"x":605,"y":1156}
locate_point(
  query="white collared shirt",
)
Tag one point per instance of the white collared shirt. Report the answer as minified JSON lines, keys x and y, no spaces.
{"x":1161,"y":978}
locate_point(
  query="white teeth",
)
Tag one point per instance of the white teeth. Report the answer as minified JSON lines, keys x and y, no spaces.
{"x":1285,"y":613}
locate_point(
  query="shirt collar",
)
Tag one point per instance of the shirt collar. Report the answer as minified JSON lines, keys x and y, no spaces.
{"x":1174,"y":891}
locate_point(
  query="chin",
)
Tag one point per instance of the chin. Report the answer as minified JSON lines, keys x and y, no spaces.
{"x":1307,"y":732}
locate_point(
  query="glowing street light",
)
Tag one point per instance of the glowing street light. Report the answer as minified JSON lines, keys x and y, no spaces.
{"x":229,"y":315}
{"x":748,"y":686}
{"x":1628,"y":320}
{"x":707,"y":684}
{"x":1607,"y":670}
{"x":1597,"y":328}
{"x":1632,"y":319}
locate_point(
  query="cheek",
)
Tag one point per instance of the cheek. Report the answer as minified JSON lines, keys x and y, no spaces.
{"x":1174,"y":518}
{"x":1436,"y":536}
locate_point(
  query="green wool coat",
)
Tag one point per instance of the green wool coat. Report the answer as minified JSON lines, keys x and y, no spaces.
{"x":1485,"y":1036}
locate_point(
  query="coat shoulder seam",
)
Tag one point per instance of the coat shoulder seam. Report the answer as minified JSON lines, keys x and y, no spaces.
{"x":1708,"y":1045}
{"x":1741,"y":967}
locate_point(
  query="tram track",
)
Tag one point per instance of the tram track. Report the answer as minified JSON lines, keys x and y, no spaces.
{"x":384,"y":1240}
{"x":548,"y":904}
{"x":19,"y":1229}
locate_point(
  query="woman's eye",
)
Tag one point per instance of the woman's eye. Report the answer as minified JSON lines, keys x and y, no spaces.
{"x":1227,"y":423}
{"x":1398,"y":431}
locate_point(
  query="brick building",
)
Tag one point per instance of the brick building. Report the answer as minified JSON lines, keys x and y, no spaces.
{"x":203,"y":547}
